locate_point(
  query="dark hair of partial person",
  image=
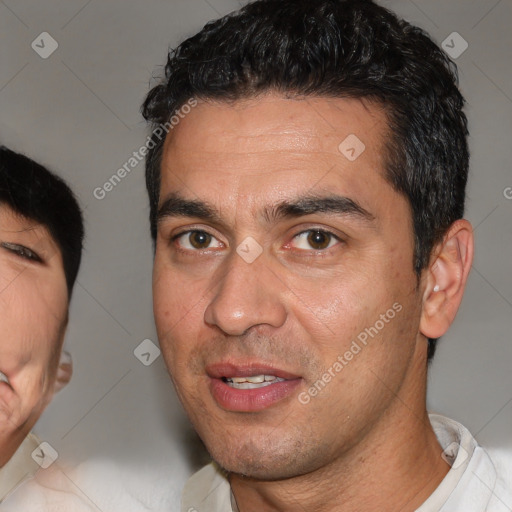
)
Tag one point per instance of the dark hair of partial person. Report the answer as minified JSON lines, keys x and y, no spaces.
{"x":32,"y":191}
{"x":340,"y":49}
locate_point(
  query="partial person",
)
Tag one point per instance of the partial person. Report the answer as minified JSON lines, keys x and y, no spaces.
{"x":41,"y":237}
{"x":310,"y":250}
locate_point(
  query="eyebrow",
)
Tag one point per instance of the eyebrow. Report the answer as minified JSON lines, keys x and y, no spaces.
{"x":177,"y":206}
{"x":309,"y":205}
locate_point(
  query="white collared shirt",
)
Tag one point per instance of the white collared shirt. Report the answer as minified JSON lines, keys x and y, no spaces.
{"x":472,"y":485}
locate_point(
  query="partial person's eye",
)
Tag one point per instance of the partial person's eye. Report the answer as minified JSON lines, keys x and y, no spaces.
{"x":22,"y":251}
{"x":316,"y":239}
{"x":197,"y":240}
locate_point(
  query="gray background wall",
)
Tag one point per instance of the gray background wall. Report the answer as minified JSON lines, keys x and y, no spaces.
{"x":78,"y":112}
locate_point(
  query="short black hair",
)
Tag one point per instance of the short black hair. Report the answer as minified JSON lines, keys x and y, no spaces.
{"x":32,"y":191}
{"x":335,"y":48}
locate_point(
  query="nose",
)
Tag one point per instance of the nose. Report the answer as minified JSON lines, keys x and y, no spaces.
{"x":248,"y":295}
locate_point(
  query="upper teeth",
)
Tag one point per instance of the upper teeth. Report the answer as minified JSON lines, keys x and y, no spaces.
{"x":3,"y":378}
{"x":255,"y":379}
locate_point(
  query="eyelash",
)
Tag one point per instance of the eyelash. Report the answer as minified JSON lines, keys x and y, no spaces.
{"x":22,"y":252}
{"x":190,"y":232}
{"x":302,"y":233}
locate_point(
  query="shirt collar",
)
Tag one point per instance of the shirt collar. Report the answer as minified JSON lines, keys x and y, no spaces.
{"x":470,"y":482}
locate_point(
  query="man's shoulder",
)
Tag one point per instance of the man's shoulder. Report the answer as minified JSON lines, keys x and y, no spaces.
{"x":502,"y":461}
{"x":493,"y":476}
{"x":479,"y":479}
{"x":97,"y":485}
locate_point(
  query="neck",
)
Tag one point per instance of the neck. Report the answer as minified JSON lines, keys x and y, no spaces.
{"x":396,"y":466}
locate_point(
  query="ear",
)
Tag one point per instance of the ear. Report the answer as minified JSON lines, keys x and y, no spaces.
{"x":446,"y":279}
{"x":64,"y":371}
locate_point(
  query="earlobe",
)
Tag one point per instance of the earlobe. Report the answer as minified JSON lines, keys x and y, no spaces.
{"x":446,"y":279}
{"x":64,"y":371}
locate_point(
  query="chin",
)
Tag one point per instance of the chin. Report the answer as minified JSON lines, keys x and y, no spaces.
{"x":264,"y":470}
{"x":265,"y":458}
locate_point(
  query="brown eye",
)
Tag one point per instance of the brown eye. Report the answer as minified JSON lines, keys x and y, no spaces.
{"x":200,"y":239}
{"x":315,"y":239}
{"x":319,"y":239}
{"x":196,"y":240}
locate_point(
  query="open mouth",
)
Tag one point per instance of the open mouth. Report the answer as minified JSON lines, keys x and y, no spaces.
{"x":254,"y":382}
{"x":3,"y":378}
{"x":250,"y":386}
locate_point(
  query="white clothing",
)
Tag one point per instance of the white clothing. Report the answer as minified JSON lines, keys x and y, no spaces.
{"x":20,"y":467}
{"x":96,"y":486}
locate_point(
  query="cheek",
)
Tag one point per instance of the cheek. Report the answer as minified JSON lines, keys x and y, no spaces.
{"x":21,"y":316}
{"x":353,"y":316}
{"x":178,"y":307}
{"x":334,"y":310}
{"x":32,"y":317}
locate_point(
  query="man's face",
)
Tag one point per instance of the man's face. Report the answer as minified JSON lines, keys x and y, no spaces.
{"x":33,"y":312}
{"x":336,"y":265}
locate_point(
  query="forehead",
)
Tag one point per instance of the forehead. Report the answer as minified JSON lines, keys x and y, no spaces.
{"x":277,"y":124}
{"x":272,"y":148}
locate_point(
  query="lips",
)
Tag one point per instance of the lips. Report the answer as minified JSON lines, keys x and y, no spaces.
{"x":250,"y":387}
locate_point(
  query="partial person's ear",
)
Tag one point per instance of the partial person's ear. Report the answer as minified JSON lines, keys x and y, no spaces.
{"x":446,"y":279}
{"x":64,"y":371}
